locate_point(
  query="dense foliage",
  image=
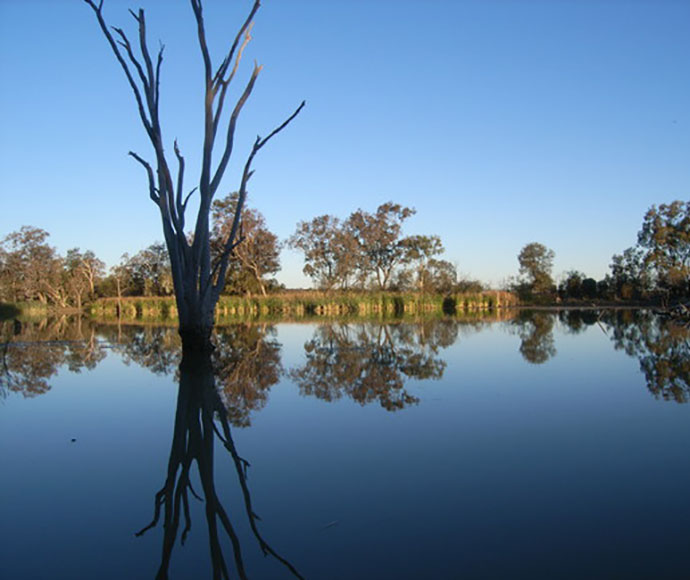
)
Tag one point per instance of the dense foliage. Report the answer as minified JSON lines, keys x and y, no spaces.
{"x":369,"y":251}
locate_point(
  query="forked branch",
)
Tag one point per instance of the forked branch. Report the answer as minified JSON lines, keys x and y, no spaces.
{"x":230,"y":243}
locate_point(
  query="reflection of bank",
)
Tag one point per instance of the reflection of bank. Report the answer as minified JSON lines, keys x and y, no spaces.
{"x":200,"y":418}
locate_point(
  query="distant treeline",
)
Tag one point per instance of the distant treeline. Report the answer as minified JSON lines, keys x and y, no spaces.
{"x":656,"y":269}
{"x":367,"y":252}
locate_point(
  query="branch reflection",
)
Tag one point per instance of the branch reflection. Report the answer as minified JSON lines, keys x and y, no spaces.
{"x":200,"y":418}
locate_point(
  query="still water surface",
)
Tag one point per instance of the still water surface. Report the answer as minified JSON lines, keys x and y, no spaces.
{"x":546,"y":446}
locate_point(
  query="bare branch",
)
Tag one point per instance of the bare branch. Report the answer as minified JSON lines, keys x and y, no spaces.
{"x":128,"y":47}
{"x":156,"y":91}
{"x":153,"y":192}
{"x":180,"y":181}
{"x":281,"y":127}
{"x":201,"y":34}
{"x":243,"y":31}
{"x":229,"y":141}
{"x":225,"y":256}
{"x":141,"y":19}
{"x":222,"y":265}
{"x":118,"y":55}
{"x":186,"y":199}
{"x":224,"y":84}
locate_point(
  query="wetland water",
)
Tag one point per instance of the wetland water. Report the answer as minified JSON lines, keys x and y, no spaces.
{"x":545,"y":446}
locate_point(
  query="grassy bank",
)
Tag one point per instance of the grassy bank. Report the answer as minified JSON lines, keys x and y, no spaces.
{"x":311,"y":304}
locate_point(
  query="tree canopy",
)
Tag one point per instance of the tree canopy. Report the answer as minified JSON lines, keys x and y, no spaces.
{"x":536,"y":265}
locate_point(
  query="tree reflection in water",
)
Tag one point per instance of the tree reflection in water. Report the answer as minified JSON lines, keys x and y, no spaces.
{"x":536,"y":335}
{"x":662,"y":345}
{"x":200,"y":418}
{"x":246,"y":363}
{"x":32,"y":352}
{"x":370,"y":362}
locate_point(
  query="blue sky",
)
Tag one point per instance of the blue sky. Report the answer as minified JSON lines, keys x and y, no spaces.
{"x":501,"y":122}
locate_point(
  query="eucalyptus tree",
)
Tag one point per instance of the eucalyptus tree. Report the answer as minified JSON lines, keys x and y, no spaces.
{"x":422,"y":251}
{"x":30,"y":268}
{"x":82,"y":271}
{"x":378,"y":239}
{"x":149,"y":272}
{"x":629,"y":276}
{"x":536,"y":264}
{"x":330,"y":252}
{"x":198,"y":281}
{"x":257,"y":257}
{"x":665,"y":239}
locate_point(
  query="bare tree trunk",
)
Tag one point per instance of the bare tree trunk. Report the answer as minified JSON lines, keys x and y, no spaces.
{"x":119,"y":298}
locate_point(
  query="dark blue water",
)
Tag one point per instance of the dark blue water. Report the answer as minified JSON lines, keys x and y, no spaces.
{"x":545,"y":446}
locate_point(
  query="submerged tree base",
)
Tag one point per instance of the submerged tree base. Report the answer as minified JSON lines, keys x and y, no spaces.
{"x":196,"y":342}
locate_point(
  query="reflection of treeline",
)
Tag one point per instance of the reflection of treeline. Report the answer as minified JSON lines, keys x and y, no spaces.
{"x":313,"y":303}
{"x":367,"y":361}
{"x":660,"y":343}
{"x":662,"y":346}
{"x":371,"y":363}
{"x":32,"y":352}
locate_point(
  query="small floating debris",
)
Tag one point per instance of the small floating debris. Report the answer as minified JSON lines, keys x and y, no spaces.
{"x":330,"y":524}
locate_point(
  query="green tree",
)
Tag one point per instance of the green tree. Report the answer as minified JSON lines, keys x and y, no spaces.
{"x":257,"y":253}
{"x":421,"y":252}
{"x":536,"y":265}
{"x":629,"y":277}
{"x":149,"y":272}
{"x":443,"y":277}
{"x":665,"y":238}
{"x":590,"y":288}
{"x":380,"y":247}
{"x":330,"y":252}
{"x":83,"y":271}
{"x":571,"y":286}
{"x":31,"y":269}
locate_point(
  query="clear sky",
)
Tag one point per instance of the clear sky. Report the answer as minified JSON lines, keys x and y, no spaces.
{"x":501,"y":122}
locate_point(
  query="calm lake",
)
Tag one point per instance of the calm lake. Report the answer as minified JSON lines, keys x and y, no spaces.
{"x":542,"y":446}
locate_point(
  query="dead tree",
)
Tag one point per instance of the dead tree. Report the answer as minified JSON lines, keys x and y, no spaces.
{"x":198,"y":280}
